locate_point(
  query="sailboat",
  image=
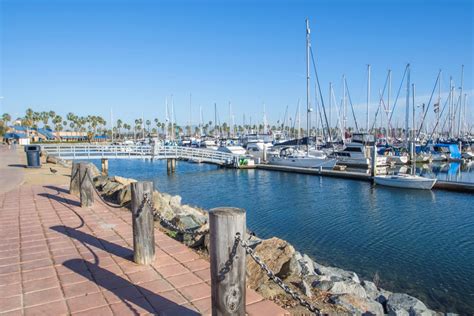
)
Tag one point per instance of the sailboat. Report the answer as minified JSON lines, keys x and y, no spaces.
{"x":293,"y":157}
{"x":407,"y":181}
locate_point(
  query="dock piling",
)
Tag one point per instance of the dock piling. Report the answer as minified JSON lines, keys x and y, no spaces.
{"x":143,"y":222}
{"x":86,"y":185}
{"x":227,"y":261}
{"x":105,"y":166}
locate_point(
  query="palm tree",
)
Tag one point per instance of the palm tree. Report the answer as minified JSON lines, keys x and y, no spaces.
{"x":119,"y":126}
{"x":6,"y":118}
{"x":148,"y":122}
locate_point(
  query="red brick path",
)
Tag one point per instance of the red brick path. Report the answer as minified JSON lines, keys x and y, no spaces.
{"x":57,"y":258}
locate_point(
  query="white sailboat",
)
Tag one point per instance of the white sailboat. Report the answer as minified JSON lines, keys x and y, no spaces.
{"x":407,"y":181}
{"x":293,"y":157}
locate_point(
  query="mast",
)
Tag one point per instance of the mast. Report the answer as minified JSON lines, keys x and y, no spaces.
{"x":190,"y":115}
{"x":387,"y":132}
{"x":200,"y":121}
{"x":172,"y":118}
{"x":451,"y":101}
{"x":215,"y":118}
{"x":167,"y":119}
{"x":368,"y":97}
{"x":439,"y":105}
{"x":112,"y":124}
{"x":344,"y":109}
{"x":412,"y":148}
{"x":330,"y":105}
{"x":460,"y":101}
{"x":308,"y":109}
{"x":407,"y":110}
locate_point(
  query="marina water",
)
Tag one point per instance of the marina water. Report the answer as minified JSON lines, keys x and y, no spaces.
{"x":418,"y":242}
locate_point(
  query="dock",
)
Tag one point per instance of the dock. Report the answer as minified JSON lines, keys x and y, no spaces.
{"x":440,"y":185}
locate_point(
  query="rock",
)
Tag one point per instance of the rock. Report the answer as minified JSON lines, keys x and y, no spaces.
{"x":270,"y":290}
{"x":358,"y":305}
{"x":100,"y":181}
{"x":52,"y":159}
{"x":94,"y":171}
{"x":124,"y":195}
{"x":186,"y":222}
{"x":123,"y":181}
{"x":161,"y":203}
{"x":305,"y":288}
{"x":277,"y":254}
{"x":199,"y":216}
{"x":341,"y":287}
{"x":307,"y":267}
{"x":403,"y":304}
{"x":335,"y":274}
{"x":110,"y":188}
{"x":175,"y":202}
{"x":371,"y":289}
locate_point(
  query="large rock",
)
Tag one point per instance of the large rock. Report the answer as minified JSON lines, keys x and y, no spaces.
{"x":100,"y":181}
{"x":94,"y":171}
{"x":341,"y":287}
{"x":334,"y":274}
{"x":358,"y":305}
{"x":307,"y":266}
{"x":277,"y":254}
{"x":124,"y":195}
{"x":371,"y":289}
{"x":186,"y":222}
{"x":399,"y":304}
{"x":110,"y":188}
{"x":123,"y":181}
{"x":162,"y":205}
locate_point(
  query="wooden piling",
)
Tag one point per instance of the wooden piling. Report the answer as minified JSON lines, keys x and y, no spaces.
{"x":75,"y":184}
{"x":227,"y":261}
{"x":143,"y":223}
{"x":105,"y":166}
{"x":86,"y":185}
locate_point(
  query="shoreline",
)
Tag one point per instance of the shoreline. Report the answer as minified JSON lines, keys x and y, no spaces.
{"x":331,"y":288}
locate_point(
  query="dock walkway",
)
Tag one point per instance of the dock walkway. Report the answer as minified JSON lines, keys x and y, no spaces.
{"x":57,"y":258}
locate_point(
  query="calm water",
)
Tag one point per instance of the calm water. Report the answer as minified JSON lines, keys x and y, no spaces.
{"x":419,"y":242}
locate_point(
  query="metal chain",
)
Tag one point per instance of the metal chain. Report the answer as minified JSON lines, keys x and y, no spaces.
{"x":170,"y":224}
{"x":274,"y":278}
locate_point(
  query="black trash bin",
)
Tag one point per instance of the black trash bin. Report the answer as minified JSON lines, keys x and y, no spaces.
{"x":33,"y":156}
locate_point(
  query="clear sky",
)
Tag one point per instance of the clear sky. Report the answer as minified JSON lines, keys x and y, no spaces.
{"x":90,"y":56}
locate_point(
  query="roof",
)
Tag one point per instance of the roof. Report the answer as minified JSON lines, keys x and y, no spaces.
{"x":14,"y":135}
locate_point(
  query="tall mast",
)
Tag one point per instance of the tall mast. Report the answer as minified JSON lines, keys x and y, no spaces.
{"x":387,"y":132}
{"x":460,"y":101}
{"x":407,"y":110}
{"x":166,"y":119}
{"x":215,"y":119}
{"x":330,"y":105}
{"x":308,"y":109}
{"x":368,"y":97}
{"x":451,"y":101}
{"x":439,"y":105}
{"x":344,"y":109}
{"x":190,"y":118}
{"x":412,"y":148}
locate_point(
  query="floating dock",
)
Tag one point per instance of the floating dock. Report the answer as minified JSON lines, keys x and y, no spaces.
{"x":440,"y":185}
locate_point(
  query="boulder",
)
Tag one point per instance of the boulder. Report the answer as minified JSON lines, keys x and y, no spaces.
{"x":276,"y":254}
{"x":404,"y":304}
{"x":334,"y":274}
{"x":95,"y":172}
{"x":341,"y":287}
{"x":358,"y":305}
{"x":100,"y":181}
{"x":305,"y":288}
{"x":110,"y":188}
{"x":199,"y":216}
{"x":186,"y":222}
{"x":371,"y":289}
{"x":52,"y":159}
{"x":124,"y":195}
{"x":175,"y":202}
{"x":162,"y":205}
{"x":307,"y":266}
{"x":123,"y":181}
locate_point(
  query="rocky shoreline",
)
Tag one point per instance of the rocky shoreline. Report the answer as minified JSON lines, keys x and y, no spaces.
{"x":334,"y":291}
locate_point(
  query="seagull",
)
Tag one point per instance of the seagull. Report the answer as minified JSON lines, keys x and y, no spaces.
{"x":53,"y":171}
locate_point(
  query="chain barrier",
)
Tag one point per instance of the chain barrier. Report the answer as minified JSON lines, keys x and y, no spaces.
{"x":99,"y":194}
{"x":170,"y":224}
{"x":274,"y":278}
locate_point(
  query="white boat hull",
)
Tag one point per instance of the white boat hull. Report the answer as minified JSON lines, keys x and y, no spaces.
{"x":405,"y":182}
{"x":398,"y":160}
{"x":302,"y":162}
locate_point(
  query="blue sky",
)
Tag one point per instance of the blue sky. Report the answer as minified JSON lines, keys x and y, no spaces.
{"x":90,"y":56}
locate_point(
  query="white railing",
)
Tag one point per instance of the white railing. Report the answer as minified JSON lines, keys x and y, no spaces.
{"x":139,"y":151}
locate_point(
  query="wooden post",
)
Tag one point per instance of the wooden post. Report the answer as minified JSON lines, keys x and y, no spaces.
{"x":75,"y":184}
{"x":227,"y":261}
{"x":173,"y":165}
{"x":105,"y":166}
{"x":86,"y":185}
{"x":168,"y":165}
{"x":143,"y":223}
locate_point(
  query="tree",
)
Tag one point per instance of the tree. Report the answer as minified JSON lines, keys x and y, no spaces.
{"x":6,"y":118}
{"x":119,"y":126}
{"x":148,"y":122}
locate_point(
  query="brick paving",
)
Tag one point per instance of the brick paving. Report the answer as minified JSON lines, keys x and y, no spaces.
{"x":59,"y":259}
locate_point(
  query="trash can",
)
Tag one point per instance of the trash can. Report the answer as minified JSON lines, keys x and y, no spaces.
{"x":33,"y":156}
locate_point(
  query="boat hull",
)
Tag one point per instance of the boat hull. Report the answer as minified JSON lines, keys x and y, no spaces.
{"x":303,"y":162}
{"x":419,"y":183}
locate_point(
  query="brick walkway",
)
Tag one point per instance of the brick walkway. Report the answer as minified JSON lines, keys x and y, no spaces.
{"x":57,"y":259}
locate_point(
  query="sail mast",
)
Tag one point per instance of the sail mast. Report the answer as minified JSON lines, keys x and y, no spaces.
{"x":308,"y":110}
{"x":407,"y":110}
{"x":368,"y":97}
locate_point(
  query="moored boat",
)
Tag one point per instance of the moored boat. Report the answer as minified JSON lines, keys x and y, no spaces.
{"x":405,"y":181}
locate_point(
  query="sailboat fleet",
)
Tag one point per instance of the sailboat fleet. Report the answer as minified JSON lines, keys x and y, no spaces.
{"x":449,"y":138}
